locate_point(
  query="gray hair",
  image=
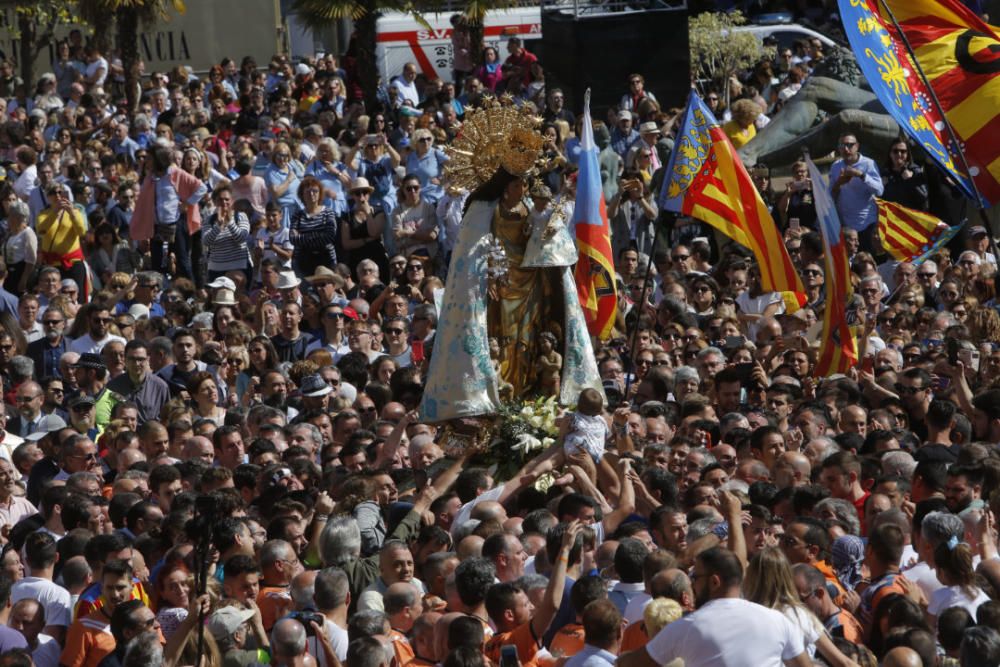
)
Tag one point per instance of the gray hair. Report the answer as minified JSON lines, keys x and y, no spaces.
{"x":314,"y":433}
{"x":830,"y":446}
{"x":331,"y":589}
{"x":340,"y":541}
{"x":873,"y":278}
{"x":399,"y":599}
{"x":21,"y":367}
{"x":709,"y":351}
{"x":939,"y":527}
{"x":843,"y":510}
{"x":273,"y":551}
{"x":685,"y":373}
{"x":18,"y":209}
{"x":368,"y":264}
{"x":708,"y":458}
{"x":288,"y":637}
{"x":143,"y":651}
{"x":931,"y":264}
{"x":303,"y":596}
{"x":898,"y":463}
{"x":700,"y":529}
{"x":530,"y":582}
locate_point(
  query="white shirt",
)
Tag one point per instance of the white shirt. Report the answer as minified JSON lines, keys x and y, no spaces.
{"x":55,"y":599}
{"x":465,"y":511}
{"x":636,"y":606}
{"x":92,"y":69}
{"x":955,"y":596}
{"x":338,"y":640}
{"x":728,"y":632}
{"x":85,"y":343}
{"x":407,"y":91}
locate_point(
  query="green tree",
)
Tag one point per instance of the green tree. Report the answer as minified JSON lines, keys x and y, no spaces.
{"x":128,"y":15}
{"x":35,"y":29}
{"x":320,"y":14}
{"x":718,"y":52}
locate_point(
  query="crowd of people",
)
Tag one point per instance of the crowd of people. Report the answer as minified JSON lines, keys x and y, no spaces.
{"x":218,"y":311}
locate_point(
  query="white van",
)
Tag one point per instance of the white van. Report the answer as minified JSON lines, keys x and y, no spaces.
{"x":401,"y":39}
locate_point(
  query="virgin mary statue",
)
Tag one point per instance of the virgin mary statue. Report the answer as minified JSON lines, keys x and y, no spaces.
{"x":509,"y":280}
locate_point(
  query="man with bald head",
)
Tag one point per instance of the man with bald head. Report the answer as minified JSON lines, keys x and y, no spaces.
{"x":792,"y":469}
{"x":422,"y":640}
{"x":902,"y":656}
{"x":854,"y":419}
{"x":30,"y":397}
{"x":28,"y":617}
{"x":392,"y":411}
{"x":471,"y":546}
{"x":395,"y":565}
{"x":403,"y":605}
{"x":199,"y":448}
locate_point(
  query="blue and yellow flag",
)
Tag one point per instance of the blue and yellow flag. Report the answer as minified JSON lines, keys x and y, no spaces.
{"x":706,"y":180}
{"x":960,"y":56}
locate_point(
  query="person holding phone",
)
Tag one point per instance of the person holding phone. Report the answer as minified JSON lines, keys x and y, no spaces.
{"x":797,"y":205}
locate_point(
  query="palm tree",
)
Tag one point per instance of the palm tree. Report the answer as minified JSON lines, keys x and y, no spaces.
{"x":360,"y":58}
{"x":128,"y":15}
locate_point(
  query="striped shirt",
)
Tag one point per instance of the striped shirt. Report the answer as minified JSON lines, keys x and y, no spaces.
{"x":314,"y":232}
{"x":227,"y":245}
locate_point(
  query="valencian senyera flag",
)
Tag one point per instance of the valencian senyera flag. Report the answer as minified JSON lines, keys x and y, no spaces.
{"x":838,"y":350}
{"x":595,"y":269}
{"x":909,"y":235}
{"x":960,"y":56}
{"x":706,"y":180}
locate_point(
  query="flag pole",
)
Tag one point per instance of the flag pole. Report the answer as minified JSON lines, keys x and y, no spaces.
{"x":642,"y":305}
{"x":951,"y":131}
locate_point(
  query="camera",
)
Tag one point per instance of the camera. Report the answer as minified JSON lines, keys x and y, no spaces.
{"x":306,"y":618}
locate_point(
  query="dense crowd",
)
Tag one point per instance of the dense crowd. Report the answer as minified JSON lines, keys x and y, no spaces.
{"x":218,"y":310}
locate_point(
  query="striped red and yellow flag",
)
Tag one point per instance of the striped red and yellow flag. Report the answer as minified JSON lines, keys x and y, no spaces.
{"x":909,"y":235}
{"x":959,"y":54}
{"x":708,"y":181}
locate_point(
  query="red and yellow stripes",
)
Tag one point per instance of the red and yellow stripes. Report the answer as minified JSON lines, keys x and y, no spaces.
{"x":724,"y":196}
{"x":960,"y":55}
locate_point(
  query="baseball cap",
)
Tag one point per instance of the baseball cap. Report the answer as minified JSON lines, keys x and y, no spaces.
{"x":224,"y":622}
{"x":978,"y":230}
{"x":47,"y":424}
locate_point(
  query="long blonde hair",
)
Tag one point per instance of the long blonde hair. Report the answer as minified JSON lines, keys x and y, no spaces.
{"x":768,"y":581}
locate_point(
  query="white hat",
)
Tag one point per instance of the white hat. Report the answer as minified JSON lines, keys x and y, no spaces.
{"x":223,"y":623}
{"x":348,"y":391}
{"x":138,"y":311}
{"x":288,"y":280}
{"x":302,"y":69}
{"x":222,"y":281}
{"x":225,"y":297}
{"x":649,"y":126}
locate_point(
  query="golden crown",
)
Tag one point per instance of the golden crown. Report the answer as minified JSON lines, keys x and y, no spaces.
{"x":496,"y":135}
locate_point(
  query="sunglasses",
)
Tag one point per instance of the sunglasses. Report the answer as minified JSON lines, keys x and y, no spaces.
{"x":334,"y":316}
{"x":396,"y":332}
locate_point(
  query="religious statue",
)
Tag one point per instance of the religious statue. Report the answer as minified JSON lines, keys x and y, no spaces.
{"x":550,"y":364}
{"x":510,"y":279}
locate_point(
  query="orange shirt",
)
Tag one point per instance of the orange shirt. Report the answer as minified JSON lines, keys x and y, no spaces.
{"x":401,"y":647}
{"x":523,"y":637}
{"x":88,"y":641}
{"x":419,"y":662}
{"x":568,"y":641}
{"x":273,"y":601}
{"x":831,"y":578}
{"x":634,"y":637}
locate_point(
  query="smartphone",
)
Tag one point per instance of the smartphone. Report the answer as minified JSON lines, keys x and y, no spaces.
{"x":417,"y":351}
{"x":868,"y":364}
{"x":744,"y":371}
{"x":953,"y":349}
{"x":939,"y":383}
{"x":970,"y":358}
{"x":799,"y":185}
{"x":508,"y":656}
{"x":794,"y":224}
{"x":735,"y":341}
